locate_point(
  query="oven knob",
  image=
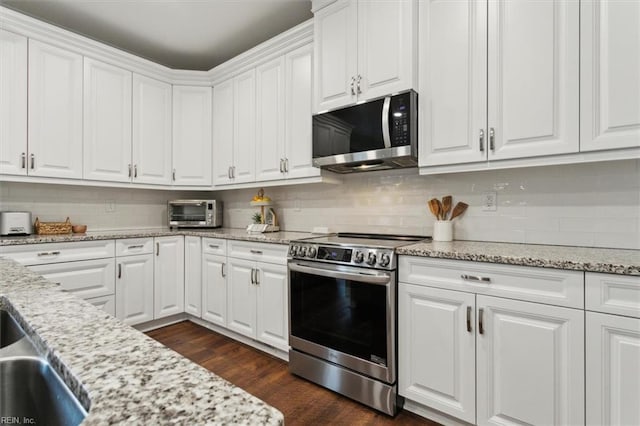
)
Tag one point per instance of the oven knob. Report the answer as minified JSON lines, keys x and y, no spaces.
{"x":371,"y":259}
{"x":303,"y":251}
{"x":311,"y":252}
{"x":385,"y":259}
{"x":293,"y":250}
{"x":359,"y":257}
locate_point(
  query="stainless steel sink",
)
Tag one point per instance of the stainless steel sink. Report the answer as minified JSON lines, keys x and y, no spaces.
{"x":30,"y":389}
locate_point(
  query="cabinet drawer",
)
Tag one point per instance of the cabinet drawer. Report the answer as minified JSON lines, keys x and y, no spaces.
{"x":105,"y":303}
{"x":134,"y":246}
{"x":612,"y":294}
{"x":85,"y":279}
{"x":215,"y":246}
{"x":552,"y":286}
{"x":262,"y":252}
{"x":40,"y":254}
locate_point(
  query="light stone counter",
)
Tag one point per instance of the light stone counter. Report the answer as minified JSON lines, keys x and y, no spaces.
{"x":612,"y":261}
{"x":119,"y":374}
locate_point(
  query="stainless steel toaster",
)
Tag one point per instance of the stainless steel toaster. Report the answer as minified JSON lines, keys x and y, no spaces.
{"x":16,"y":223}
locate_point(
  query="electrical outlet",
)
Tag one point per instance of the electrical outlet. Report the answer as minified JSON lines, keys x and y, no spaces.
{"x":110,"y":206}
{"x":489,"y":201}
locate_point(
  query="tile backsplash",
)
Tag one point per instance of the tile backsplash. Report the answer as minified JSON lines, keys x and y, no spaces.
{"x":595,"y":205}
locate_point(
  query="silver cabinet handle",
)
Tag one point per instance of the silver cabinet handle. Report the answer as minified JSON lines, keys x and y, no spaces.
{"x":135,"y":170}
{"x":137,"y":246}
{"x":286,"y":165}
{"x":157,"y":249}
{"x":282,"y":165}
{"x":253,"y":280}
{"x":475,"y":278}
{"x":214,"y":246}
{"x":222,"y":271}
{"x":48,"y":253}
{"x":173,"y":175}
{"x":257,"y":276}
{"x":492,"y":137}
{"x":23,"y":160}
{"x":480,"y":321}
{"x":353,"y":88}
{"x":481,"y":140}
{"x":33,"y":161}
{"x":256,"y":251}
{"x":358,"y":79}
{"x":469,"y":319}
{"x":233,"y":172}
{"x":119,"y":270}
{"x":129,"y":170}
{"x":229,"y":172}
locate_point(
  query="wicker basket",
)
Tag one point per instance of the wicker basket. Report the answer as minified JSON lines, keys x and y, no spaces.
{"x":52,"y":228}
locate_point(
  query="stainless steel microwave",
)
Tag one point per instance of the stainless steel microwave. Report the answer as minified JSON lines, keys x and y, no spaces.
{"x":195,"y":213}
{"x":374,"y":135}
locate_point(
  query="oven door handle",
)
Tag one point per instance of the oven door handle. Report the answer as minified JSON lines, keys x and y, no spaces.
{"x":369,"y":278}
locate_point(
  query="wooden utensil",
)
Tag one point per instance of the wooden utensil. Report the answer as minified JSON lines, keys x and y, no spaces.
{"x":440,"y":210}
{"x":446,"y":206}
{"x":434,"y":206}
{"x":459,"y":209}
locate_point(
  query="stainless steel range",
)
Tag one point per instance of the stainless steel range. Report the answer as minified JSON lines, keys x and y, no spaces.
{"x":343,"y":315}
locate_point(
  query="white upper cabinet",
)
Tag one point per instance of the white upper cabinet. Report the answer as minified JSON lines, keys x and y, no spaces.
{"x":610,"y":74}
{"x":151,"y":155}
{"x":191,"y":136}
{"x":55,"y":112}
{"x":529,"y":51}
{"x":364,"y":49}
{"x":222,"y":132}
{"x":13,"y":103}
{"x":107,"y":122}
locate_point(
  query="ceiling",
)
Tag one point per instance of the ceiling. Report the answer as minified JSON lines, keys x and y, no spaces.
{"x":181,"y":34}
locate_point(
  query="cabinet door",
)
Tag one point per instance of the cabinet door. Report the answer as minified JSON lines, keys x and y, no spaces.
{"x":193,"y":275}
{"x":13,"y":103}
{"x":168,"y":287}
{"x":85,"y":279}
{"x":453,"y":82}
{"x":270,"y":120}
{"x":214,"y":289}
{"x":298,"y":142}
{"x":55,"y":111}
{"x":387,"y":42}
{"x":335,"y":32}
{"x":151,"y":131}
{"x":223,"y":132}
{"x":244,"y":140}
{"x":613,"y":369}
{"x":530,"y":363}
{"x":273,"y":305}
{"x":192,"y":135}
{"x":442,"y":375}
{"x":107,"y":122}
{"x":241,"y":297}
{"x":134,"y":289}
{"x":533,"y":77}
{"x":609,"y":74}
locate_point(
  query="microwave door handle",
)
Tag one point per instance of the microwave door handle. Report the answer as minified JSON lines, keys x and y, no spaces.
{"x":386,"y":133}
{"x":373,"y":278}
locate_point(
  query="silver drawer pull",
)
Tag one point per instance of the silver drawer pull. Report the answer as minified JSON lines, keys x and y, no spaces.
{"x":214,"y":246}
{"x":137,"y":246}
{"x":256,"y":251}
{"x":49,"y":253}
{"x":475,"y":278}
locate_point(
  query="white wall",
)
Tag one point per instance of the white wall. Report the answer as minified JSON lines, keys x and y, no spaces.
{"x":594,"y":204}
{"x":585,"y":205}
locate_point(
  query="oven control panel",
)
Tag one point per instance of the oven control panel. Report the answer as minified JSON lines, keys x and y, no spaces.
{"x":355,"y":256}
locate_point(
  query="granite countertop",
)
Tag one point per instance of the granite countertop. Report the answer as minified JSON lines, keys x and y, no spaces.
{"x":283,"y":237}
{"x":120,"y":374}
{"x":612,"y":261}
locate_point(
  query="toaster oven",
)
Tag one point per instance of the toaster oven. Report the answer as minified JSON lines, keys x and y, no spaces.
{"x":194,"y":213}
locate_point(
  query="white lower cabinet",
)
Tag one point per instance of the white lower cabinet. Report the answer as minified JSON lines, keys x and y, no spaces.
{"x":193,"y":275}
{"x":214,"y":289}
{"x":242,"y":297}
{"x":486,"y":359}
{"x":272,"y":305}
{"x":134,"y":288}
{"x":168,"y":276}
{"x":86,"y":278}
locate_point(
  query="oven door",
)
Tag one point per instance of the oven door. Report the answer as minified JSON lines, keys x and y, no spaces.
{"x":188,"y":213}
{"x":344,"y":315}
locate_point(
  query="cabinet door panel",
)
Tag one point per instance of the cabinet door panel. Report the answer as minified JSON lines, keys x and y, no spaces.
{"x":192,"y":135}
{"x":530,"y":363}
{"x":85,"y":279}
{"x":107,"y":122}
{"x":214,"y":289}
{"x":335,"y":32}
{"x":453,"y":82}
{"x":151,"y":131}
{"x":270,"y":120}
{"x":386,"y":42}
{"x":610,"y":74}
{"x":533,"y":77}
{"x":244,"y":143}
{"x":613,"y":369}
{"x":223,"y":125}
{"x":134,"y":289}
{"x":55,"y":111}
{"x":193,"y":275}
{"x":168,"y":276}
{"x":13,"y":103}
{"x":273,"y":305}
{"x":440,"y":375}
{"x":241,"y":297}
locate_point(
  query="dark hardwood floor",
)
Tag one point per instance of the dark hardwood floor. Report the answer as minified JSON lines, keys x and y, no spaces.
{"x":301,"y":402}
